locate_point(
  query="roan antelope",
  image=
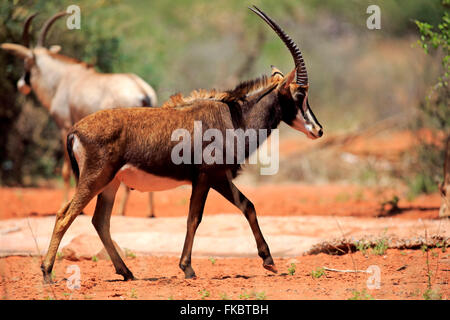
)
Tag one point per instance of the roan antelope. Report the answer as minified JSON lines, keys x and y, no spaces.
{"x":134,"y":146}
{"x":70,"y":89}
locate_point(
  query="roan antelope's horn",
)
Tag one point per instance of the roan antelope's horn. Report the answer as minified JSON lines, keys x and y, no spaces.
{"x":302,"y":75}
{"x":46,"y":27}
{"x":26,"y":30}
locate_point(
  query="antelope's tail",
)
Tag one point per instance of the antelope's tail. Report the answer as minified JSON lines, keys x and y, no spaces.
{"x":73,"y":160}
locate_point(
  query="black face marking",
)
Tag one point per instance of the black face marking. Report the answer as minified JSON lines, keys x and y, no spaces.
{"x":313,"y":115}
{"x":288,"y":108}
{"x":146,"y":101}
{"x":26,"y":78}
{"x":300,"y":97}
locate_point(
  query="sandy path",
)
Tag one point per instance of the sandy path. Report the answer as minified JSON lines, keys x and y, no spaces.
{"x":225,"y":235}
{"x":403,"y":275}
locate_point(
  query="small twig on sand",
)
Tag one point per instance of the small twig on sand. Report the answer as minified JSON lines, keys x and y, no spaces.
{"x":345,"y":271}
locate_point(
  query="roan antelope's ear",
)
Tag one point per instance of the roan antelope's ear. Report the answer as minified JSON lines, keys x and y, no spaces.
{"x":17,"y":50}
{"x":55,"y":49}
{"x":276,"y":75}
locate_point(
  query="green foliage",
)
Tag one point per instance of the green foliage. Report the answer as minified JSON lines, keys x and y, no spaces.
{"x":360,"y":295}
{"x":381,"y":245}
{"x":392,"y":204}
{"x":433,"y":38}
{"x":129,"y":254}
{"x":431,"y":294}
{"x":244,"y":296}
{"x":443,"y":245}
{"x":224,"y":296}
{"x":253,"y":295}
{"x":59,"y":255}
{"x":29,"y":139}
{"x":434,"y":111}
{"x":421,"y":183}
{"x":319,"y":272}
{"x":204,"y":294}
{"x":362,"y":246}
{"x":260,"y":295}
{"x":291,"y":269}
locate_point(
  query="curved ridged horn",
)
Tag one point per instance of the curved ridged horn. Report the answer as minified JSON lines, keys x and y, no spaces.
{"x":26,"y":29}
{"x":47,"y":26}
{"x":302,"y":75}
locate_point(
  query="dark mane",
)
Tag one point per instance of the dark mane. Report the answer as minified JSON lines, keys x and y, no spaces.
{"x":240,"y":92}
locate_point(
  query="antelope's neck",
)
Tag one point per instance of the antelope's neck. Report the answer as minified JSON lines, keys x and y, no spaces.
{"x":262,"y":111}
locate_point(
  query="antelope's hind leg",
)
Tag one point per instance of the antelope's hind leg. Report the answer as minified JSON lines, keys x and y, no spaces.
{"x":66,"y":171}
{"x":101,"y":222}
{"x":64,"y":218}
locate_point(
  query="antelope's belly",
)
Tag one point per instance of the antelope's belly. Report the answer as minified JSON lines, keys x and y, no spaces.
{"x":142,"y":181}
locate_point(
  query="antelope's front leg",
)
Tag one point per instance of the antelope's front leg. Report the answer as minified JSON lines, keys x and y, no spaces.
{"x":200,"y":188}
{"x":151,"y":204}
{"x":123,"y":203}
{"x":231,"y":193}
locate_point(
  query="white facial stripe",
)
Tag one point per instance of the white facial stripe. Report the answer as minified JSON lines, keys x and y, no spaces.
{"x":23,"y":87}
{"x":300,"y":124}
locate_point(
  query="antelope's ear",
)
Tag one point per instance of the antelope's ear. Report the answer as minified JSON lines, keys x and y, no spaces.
{"x":55,"y":49}
{"x":284,"y":86}
{"x":276,"y":75}
{"x":17,"y":50}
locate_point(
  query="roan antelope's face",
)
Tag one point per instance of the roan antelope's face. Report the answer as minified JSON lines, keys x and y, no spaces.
{"x":29,"y":54}
{"x":24,"y":83}
{"x":30,"y":67}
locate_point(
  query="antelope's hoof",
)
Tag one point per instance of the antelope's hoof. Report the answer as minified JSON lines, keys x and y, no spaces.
{"x":270,"y":267}
{"x":189,"y":273}
{"x":127,"y":276}
{"x":48,"y":279}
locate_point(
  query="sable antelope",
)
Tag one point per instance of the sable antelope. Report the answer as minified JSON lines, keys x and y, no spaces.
{"x":134,"y":146}
{"x":70,"y":89}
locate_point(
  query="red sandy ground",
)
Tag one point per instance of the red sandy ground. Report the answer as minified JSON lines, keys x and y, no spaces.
{"x":160,"y":277}
{"x":323,"y":200}
{"x":403,"y":276}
